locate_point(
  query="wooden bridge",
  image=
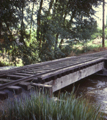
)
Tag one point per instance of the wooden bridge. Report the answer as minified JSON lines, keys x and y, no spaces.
{"x":52,"y":75}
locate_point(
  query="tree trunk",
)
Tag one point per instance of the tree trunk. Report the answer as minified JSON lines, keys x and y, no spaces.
{"x":103,"y":35}
{"x":60,"y":44}
{"x":39,"y":23}
{"x":56,"y":42}
{"x":0,"y":29}
{"x":50,"y":6}
{"x":22,"y":25}
{"x":31,"y":19}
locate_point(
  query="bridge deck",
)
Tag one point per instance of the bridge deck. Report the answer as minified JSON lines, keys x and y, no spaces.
{"x":57,"y":64}
{"x":54,"y":74}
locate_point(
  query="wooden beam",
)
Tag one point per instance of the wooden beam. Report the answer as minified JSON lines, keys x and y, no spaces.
{"x":43,"y":88}
{"x":23,"y":74}
{"x":15,"y":89}
{"x":25,"y":85}
{"x":2,"y":80}
{"x":35,"y":65}
{"x":71,"y":68}
{"x":103,"y":28}
{"x":16,"y":76}
{"x":71,"y":78}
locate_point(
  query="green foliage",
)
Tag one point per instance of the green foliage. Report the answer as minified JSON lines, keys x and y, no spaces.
{"x":85,"y":29}
{"x":38,"y":29}
{"x":106,"y":33}
{"x":106,"y":21}
{"x":41,"y":107}
{"x":66,"y":50}
{"x":96,"y":34}
{"x":3,"y":64}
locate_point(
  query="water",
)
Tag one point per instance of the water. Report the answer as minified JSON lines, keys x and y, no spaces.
{"x":93,"y":88}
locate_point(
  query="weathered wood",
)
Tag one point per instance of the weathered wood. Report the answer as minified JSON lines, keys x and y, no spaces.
{"x":71,"y":78}
{"x":28,"y":72}
{"x":53,"y":62}
{"x":15,"y":76}
{"x":43,"y":88}
{"x":16,"y":82}
{"x":25,"y":85}
{"x":3,"y":95}
{"x":71,"y":68}
{"x":49,"y":83}
{"x":34,"y":65}
{"x":52,"y":70}
{"x":22,"y":74}
{"x":35,"y":80}
{"x":2,"y":80}
{"x":15,"y":89}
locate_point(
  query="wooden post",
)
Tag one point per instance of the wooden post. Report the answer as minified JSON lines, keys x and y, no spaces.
{"x":103,"y":28}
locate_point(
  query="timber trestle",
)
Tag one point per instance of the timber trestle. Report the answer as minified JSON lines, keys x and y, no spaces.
{"x":51,"y":75}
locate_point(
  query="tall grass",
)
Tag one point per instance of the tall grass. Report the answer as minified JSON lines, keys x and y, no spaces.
{"x":41,"y":107}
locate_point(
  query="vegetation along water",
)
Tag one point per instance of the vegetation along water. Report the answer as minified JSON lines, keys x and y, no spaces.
{"x":41,"y":107}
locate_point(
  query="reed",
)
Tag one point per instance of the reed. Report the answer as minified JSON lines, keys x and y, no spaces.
{"x":41,"y":107}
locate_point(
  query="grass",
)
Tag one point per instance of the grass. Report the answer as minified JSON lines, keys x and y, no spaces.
{"x":90,"y":47}
{"x":41,"y":107}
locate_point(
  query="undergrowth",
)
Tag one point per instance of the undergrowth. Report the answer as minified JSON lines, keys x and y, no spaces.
{"x":41,"y":107}
{"x":3,"y":64}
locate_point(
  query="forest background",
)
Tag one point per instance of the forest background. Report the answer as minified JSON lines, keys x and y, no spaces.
{"x":41,"y":30}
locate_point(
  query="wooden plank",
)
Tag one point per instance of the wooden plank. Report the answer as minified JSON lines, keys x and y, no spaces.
{"x":23,"y":74}
{"x":49,"y":83}
{"x":25,"y":85}
{"x":16,"y":76}
{"x":26,"y":72}
{"x":41,"y":85}
{"x":16,"y":82}
{"x":3,"y":95}
{"x":2,"y":80}
{"x":44,"y":88}
{"x":34,"y":72}
{"x":15,"y":89}
{"x":35,"y":65}
{"x":2,"y":73}
{"x":67,"y":69}
{"x":29,"y":72}
{"x":71,"y":78}
{"x":35,"y":80}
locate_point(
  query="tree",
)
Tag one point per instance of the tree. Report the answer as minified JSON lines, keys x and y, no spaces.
{"x":14,"y":19}
{"x":65,"y":21}
{"x":42,"y":26}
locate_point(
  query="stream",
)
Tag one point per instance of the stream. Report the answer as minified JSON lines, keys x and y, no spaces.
{"x":93,"y":88}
